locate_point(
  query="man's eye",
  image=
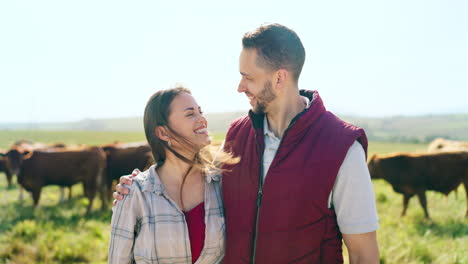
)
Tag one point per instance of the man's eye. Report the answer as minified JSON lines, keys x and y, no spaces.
{"x":191,"y":114}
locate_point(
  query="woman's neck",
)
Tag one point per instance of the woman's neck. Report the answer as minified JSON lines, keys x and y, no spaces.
{"x":174,"y":169}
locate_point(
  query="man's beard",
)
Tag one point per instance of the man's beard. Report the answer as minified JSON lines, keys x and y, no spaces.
{"x":264,"y":98}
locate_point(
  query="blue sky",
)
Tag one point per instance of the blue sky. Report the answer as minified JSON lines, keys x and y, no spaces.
{"x":70,"y":60}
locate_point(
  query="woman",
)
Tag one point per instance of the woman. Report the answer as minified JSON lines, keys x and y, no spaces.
{"x":174,"y":212}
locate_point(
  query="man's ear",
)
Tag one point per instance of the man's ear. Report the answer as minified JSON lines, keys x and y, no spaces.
{"x":281,"y":77}
{"x":161,"y":133}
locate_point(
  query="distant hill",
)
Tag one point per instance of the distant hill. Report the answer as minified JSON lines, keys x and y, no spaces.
{"x":413,"y":128}
{"x":397,"y":128}
{"x":217,"y":122}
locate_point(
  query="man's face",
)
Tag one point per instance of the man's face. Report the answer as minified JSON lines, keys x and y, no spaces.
{"x":256,"y":82}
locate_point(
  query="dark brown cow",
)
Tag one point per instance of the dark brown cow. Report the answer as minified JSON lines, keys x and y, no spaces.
{"x":25,"y":146}
{"x":411,"y":174}
{"x":64,"y":168}
{"x":123,"y":159}
{"x":4,"y":169}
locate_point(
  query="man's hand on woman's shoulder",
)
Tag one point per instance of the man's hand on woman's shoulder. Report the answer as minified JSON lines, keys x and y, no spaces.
{"x":120,"y":190}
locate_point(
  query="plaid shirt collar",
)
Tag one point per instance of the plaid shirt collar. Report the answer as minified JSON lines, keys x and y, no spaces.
{"x":154,"y":184}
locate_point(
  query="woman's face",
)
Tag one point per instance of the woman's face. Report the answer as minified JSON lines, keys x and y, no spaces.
{"x":186,"y":118}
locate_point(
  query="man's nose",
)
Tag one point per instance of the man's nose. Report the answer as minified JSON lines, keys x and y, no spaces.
{"x":241,"y":88}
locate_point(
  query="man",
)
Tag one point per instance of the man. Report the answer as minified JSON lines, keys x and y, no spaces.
{"x":302,"y":184}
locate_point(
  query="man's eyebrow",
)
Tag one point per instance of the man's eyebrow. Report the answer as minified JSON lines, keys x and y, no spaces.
{"x":189,"y":108}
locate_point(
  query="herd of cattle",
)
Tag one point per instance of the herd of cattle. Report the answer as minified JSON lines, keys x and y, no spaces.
{"x":443,"y":168}
{"x":39,"y":165}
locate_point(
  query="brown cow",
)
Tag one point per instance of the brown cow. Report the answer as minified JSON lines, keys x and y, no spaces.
{"x":26,"y":146}
{"x":21,"y":146}
{"x":4,"y":168}
{"x":123,"y":159}
{"x":64,"y":168}
{"x":411,"y":174}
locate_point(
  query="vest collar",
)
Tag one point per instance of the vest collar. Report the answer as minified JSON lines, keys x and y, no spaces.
{"x":303,"y":119}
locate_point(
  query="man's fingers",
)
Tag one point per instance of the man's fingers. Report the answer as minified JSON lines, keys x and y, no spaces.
{"x":120,"y":189}
{"x":125,"y":180}
{"x":135,"y":172}
{"x":117,"y":196}
{"x":114,"y":203}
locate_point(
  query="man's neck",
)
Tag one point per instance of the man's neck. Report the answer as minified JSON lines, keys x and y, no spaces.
{"x":281,"y":114}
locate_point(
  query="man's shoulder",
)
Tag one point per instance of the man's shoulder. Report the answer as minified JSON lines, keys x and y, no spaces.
{"x":237,"y":125}
{"x":239,"y":122}
{"x":331,"y":117}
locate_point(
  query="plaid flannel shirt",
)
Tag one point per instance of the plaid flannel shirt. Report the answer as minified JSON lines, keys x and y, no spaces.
{"x":148,"y":226}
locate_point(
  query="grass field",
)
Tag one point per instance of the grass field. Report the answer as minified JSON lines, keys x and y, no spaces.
{"x":61,"y":233}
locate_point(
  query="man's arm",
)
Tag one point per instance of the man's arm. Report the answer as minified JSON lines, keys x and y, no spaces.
{"x":355,"y":208}
{"x":362,"y":248}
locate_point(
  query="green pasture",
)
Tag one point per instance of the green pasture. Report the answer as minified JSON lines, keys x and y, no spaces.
{"x":7,"y":137}
{"x":62,"y":233}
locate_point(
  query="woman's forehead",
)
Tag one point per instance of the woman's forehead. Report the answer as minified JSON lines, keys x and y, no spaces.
{"x":183,"y":101}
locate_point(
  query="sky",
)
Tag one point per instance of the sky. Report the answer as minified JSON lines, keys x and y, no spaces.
{"x":71,"y":60}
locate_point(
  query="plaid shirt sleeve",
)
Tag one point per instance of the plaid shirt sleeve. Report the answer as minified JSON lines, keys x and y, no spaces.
{"x":124,"y":227}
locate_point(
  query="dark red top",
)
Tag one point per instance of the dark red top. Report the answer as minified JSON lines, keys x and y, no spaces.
{"x":195,"y":219}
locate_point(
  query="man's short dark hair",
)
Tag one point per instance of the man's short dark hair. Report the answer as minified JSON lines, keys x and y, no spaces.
{"x":278,"y":47}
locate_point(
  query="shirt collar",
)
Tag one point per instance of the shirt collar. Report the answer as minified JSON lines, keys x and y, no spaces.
{"x":152,"y":182}
{"x":266,"y":128}
{"x":213,"y":175}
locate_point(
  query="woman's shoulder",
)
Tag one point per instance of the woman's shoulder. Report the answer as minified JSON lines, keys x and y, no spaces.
{"x":142,"y":181}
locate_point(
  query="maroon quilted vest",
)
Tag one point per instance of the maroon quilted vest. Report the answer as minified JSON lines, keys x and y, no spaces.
{"x":295,"y":224}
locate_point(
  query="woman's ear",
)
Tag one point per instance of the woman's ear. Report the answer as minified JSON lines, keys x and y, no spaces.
{"x":161,"y":133}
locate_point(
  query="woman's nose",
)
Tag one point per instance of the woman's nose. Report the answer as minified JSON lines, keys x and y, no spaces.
{"x":203,"y":120}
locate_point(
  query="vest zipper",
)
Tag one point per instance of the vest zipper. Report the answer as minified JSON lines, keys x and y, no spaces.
{"x":259,"y":201}
{"x":260,"y":188}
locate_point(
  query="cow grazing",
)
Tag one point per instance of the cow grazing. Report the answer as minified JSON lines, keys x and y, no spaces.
{"x":411,"y":174}
{"x":441,"y":144}
{"x":123,"y":159}
{"x":25,"y":146}
{"x":64,"y":168}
